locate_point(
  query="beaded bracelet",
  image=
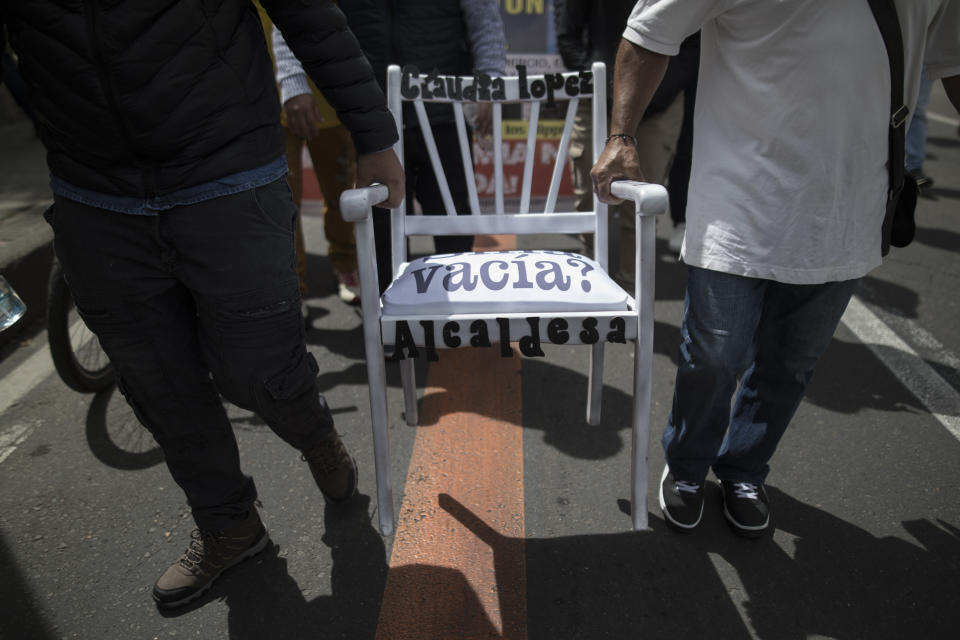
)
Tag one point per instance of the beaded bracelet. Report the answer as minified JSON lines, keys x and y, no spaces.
{"x":623,"y":136}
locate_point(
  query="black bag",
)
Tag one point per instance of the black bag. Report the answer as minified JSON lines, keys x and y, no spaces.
{"x":902,"y":226}
{"x":899,"y":225}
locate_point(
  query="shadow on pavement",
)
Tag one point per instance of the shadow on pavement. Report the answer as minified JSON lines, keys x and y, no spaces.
{"x":831,"y":579}
{"x":265,"y":601}
{"x":269,"y":603}
{"x":671,"y":274}
{"x":849,"y":379}
{"x":889,"y":296}
{"x":21,"y":617}
{"x":942,"y":142}
{"x":115,"y":436}
{"x":940,"y":238}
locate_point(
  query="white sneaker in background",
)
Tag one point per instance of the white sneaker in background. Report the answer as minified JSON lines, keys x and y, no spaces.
{"x":348,"y":287}
{"x":676,"y":237}
{"x":305,"y":315}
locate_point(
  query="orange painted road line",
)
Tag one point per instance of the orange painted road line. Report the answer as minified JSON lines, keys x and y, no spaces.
{"x":445,"y":581}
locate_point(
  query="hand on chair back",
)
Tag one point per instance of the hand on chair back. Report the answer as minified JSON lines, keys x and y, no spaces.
{"x":382,"y":167}
{"x":618,"y":161}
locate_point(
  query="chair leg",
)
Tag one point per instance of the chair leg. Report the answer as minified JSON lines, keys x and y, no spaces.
{"x":595,"y":384}
{"x":641,"y":437}
{"x":381,"y":452}
{"x":377,"y":376}
{"x":381,"y":445}
{"x":409,"y":380}
{"x":643,"y":367}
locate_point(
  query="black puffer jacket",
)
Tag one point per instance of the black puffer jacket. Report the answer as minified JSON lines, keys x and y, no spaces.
{"x":428,"y":34}
{"x":590,"y":31}
{"x":144,"y":98}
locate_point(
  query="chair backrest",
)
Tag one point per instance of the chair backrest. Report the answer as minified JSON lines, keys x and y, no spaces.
{"x":411,"y":85}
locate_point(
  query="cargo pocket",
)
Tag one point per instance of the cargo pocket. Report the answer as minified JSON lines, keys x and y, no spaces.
{"x":294,"y":381}
{"x":289,"y":402}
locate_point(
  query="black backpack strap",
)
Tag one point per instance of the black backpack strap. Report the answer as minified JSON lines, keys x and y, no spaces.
{"x":885,"y":13}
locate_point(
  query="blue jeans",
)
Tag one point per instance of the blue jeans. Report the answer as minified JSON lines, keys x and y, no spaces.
{"x":769,"y":335}
{"x":916,"y":140}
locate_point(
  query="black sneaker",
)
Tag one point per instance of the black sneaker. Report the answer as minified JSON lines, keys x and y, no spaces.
{"x":746,"y":508}
{"x":924,"y":183}
{"x":209,"y":555}
{"x":333,"y":468}
{"x":681,"y":501}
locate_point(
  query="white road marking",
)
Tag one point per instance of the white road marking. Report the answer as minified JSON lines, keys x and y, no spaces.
{"x":941,"y":399}
{"x":16,"y":384}
{"x":936,"y":117}
{"x":25,"y":377}
{"x":931,"y":348}
{"x":736,"y":592}
{"x":13,"y":437}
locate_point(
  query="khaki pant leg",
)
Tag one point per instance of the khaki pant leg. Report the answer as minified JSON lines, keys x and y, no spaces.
{"x":581,"y":161}
{"x":295,"y":180}
{"x":335,"y":162}
{"x":656,"y":146}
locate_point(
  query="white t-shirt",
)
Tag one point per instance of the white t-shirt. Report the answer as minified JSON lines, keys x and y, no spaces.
{"x":789,"y":173}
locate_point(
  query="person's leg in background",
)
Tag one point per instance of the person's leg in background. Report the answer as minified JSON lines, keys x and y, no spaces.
{"x":916,"y":141}
{"x":656,"y":143}
{"x":294,"y":149}
{"x":382,"y":242}
{"x":679,"y":179}
{"x":334,"y":162}
{"x":581,"y":161}
{"x":423,"y":185}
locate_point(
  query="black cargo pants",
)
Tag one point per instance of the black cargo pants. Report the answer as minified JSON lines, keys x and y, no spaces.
{"x":209,"y":288}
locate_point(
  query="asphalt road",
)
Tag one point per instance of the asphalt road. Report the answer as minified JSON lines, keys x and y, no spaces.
{"x":867,"y":539}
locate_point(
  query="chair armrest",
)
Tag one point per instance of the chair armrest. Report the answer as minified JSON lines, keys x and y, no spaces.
{"x":357,"y":204}
{"x":650,"y":199}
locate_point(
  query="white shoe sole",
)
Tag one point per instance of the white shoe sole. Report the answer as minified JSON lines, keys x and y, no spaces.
{"x":666,"y":512}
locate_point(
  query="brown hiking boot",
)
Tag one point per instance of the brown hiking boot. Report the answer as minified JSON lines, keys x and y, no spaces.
{"x":333,"y":468}
{"x":208,"y":555}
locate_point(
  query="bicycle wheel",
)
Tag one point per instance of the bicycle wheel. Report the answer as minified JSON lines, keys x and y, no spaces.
{"x":77,"y":355}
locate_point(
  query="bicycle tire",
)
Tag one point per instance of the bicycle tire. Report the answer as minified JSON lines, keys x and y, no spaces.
{"x":72,"y":344}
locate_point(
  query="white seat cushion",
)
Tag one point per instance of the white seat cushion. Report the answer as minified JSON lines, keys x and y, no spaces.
{"x":502,"y":282}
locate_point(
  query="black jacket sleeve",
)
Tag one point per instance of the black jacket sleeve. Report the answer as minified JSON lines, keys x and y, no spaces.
{"x":681,"y":75}
{"x":318,"y":35}
{"x":570,"y":21}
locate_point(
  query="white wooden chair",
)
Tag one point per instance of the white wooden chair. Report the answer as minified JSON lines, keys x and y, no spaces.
{"x":480,"y":299}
